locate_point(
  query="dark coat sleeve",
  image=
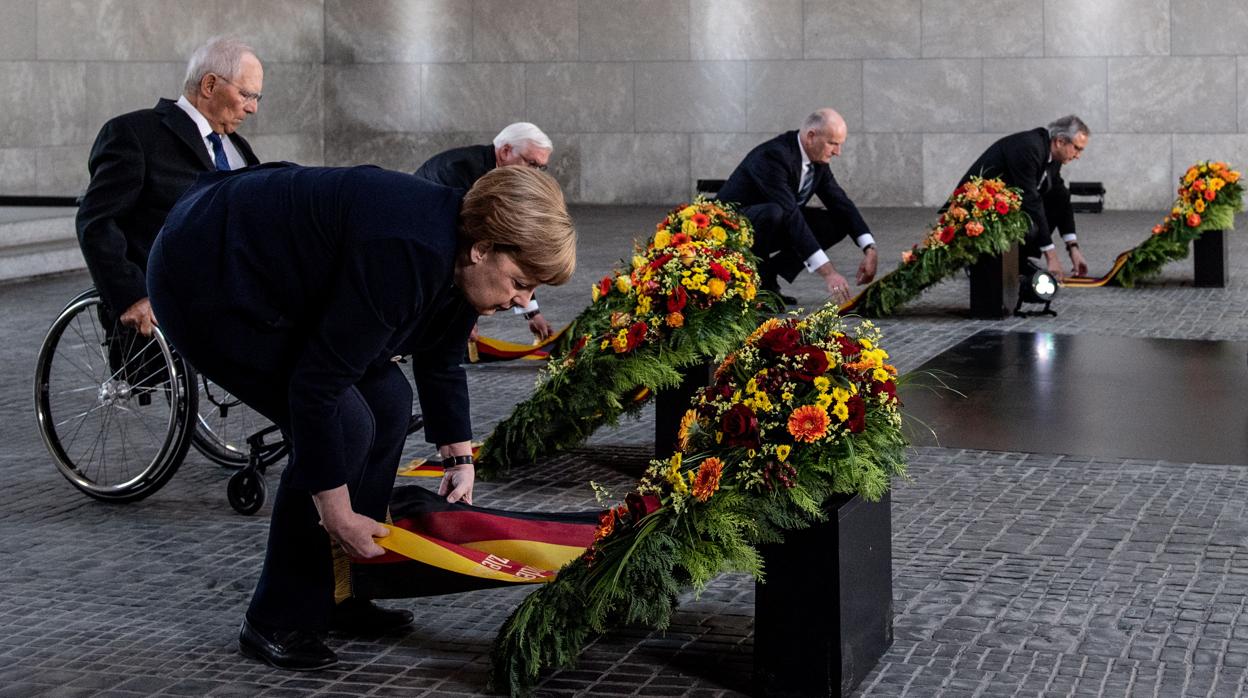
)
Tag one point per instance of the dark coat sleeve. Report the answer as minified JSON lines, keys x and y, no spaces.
{"x":117,"y":166}
{"x":1023,"y":165}
{"x":441,"y":382}
{"x":1057,"y":208}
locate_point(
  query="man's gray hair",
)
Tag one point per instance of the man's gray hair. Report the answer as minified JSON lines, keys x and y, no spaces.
{"x":1068,"y":127}
{"x":220,"y":55}
{"x":520,"y":133}
{"x":816,"y":121}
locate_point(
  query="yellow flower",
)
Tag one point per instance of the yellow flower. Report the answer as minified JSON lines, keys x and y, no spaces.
{"x":718,"y":235}
{"x":596,"y":293}
{"x":643,"y":305}
{"x":823,"y":400}
{"x":880,"y":375}
{"x":662,"y":239}
{"x":689,"y":228}
{"x":717,"y":287}
{"x":841,"y":411}
{"x":822,"y":383}
{"x":782,"y":452}
{"x":639,"y":261}
{"x":687,"y":212}
{"x":748,"y":292}
{"x":622,"y":283}
{"x":840,"y":394}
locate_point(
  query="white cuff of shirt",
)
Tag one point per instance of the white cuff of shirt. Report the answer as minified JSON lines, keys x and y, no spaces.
{"x":1068,"y":237}
{"x":816,"y":260}
{"x":1046,"y":248}
{"x":518,"y":310}
{"x":820,"y":258}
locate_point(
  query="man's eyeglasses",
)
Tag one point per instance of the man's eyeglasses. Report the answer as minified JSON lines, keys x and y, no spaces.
{"x":247,"y":96}
{"x":533,"y":163}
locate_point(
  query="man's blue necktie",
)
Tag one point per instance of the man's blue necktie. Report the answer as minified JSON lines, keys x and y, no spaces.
{"x":806,"y":186}
{"x":218,"y":152}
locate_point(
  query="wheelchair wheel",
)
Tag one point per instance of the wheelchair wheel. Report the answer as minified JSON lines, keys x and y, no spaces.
{"x":223,"y":424}
{"x":114,"y":408}
{"x":246,"y":491}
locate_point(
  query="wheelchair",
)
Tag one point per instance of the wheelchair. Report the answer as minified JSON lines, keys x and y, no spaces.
{"x":119,"y":412}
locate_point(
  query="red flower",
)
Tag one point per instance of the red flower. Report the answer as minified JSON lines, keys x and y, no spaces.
{"x":676,"y":301}
{"x":811,"y":361}
{"x":857,"y":414}
{"x":1002,"y":207}
{"x":680,"y":239}
{"x":701,"y":220}
{"x":719,"y":272}
{"x":604,"y":286}
{"x":640,"y":505}
{"x":662,"y":260}
{"x":740,"y":426}
{"x":636,"y":335}
{"x":849,"y":348}
{"x":578,"y":346}
{"x":947,"y":234}
{"x":887,"y":388}
{"x":780,"y":340}
{"x":983,"y":203}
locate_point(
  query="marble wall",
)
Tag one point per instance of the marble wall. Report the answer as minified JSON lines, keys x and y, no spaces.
{"x":643,"y":97}
{"x":67,"y":66}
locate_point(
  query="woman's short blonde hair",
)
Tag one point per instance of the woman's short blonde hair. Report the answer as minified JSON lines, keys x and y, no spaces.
{"x":521,"y":211}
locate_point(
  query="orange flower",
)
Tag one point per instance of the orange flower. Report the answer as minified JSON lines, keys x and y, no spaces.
{"x":1158,"y":229}
{"x":907,"y":257}
{"x":707,"y":479}
{"x":808,"y":423}
{"x":974,"y":228}
{"x":606,"y":524}
{"x":701,"y":220}
{"x":1193,"y":220}
{"x":686,"y":423}
{"x":675,"y":320}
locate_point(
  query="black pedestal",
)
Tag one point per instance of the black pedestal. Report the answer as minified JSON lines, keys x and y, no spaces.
{"x":1209,"y":259}
{"x":824,"y":616}
{"x":994,"y":285}
{"x":671,"y":405}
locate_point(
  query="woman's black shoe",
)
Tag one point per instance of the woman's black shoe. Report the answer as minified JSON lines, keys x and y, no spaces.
{"x":363,"y":616}
{"x":294,"y":650}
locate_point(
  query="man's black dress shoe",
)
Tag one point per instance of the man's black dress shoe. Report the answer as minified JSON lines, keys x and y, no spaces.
{"x":294,"y":650}
{"x":363,"y":616}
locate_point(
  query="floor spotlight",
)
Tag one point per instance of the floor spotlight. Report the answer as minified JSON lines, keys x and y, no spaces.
{"x":1035,"y":285}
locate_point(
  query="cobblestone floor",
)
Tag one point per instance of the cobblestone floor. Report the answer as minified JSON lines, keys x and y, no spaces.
{"x":1028,"y":574}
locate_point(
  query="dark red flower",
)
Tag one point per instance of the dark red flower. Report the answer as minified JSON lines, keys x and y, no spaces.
{"x":740,"y":426}
{"x":578,"y":346}
{"x":811,"y":362}
{"x":677,"y":300}
{"x":857,"y":414}
{"x":849,"y":348}
{"x":888,"y":388}
{"x":983,"y":203}
{"x":780,"y":340}
{"x":719,"y":271}
{"x":946,"y":234}
{"x":680,"y":239}
{"x":1002,"y":207}
{"x":663,"y":259}
{"x":636,"y":334}
{"x":640,"y":505}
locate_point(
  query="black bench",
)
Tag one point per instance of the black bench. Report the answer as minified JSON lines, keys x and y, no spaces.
{"x":1095,"y":191}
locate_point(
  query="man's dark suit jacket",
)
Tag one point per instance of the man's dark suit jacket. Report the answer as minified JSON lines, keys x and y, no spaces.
{"x":1020,"y":160}
{"x":771,"y":173}
{"x":320,"y":274}
{"x":140,"y":164}
{"x":459,"y":167}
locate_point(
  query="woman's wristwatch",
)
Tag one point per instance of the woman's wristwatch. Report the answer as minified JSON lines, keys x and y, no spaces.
{"x":452,"y":461}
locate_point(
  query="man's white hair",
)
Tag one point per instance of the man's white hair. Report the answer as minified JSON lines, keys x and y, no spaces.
{"x":521,"y":133}
{"x":220,"y":55}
